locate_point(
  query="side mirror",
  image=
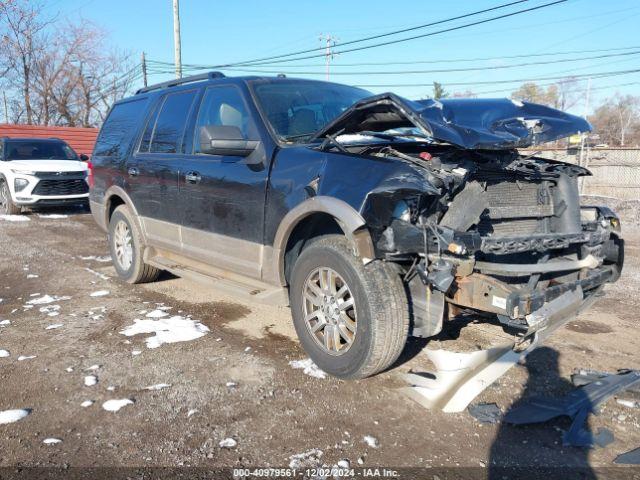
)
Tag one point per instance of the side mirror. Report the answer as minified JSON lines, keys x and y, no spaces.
{"x":225,"y":140}
{"x":84,"y":158}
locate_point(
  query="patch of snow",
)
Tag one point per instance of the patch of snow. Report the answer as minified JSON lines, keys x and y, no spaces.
{"x":45,"y":299}
{"x":25,"y":357}
{"x":69,"y":369}
{"x":228,"y":443}
{"x":4,"y":323}
{"x":111,"y":388}
{"x":51,"y":441}
{"x":98,"y":274}
{"x":90,"y":380}
{"x":309,"y":459}
{"x":99,"y":293}
{"x":87,"y":403}
{"x":231,"y":384}
{"x":167,"y":330}
{"x":371,"y":441}
{"x":115,"y":405}
{"x":52,"y":215}
{"x":51,"y":310}
{"x":136,"y":352}
{"x":344,"y":464}
{"x":93,"y":368}
{"x":308,"y":368}
{"x":4,"y":353}
{"x":10,"y":416}
{"x":105,"y":258}
{"x":193,"y":411}
{"x":248,"y":349}
{"x":158,"y":386}
{"x":14,"y":218}
{"x":157,"y":313}
{"x":627,"y":403}
{"x":53,"y":326}
{"x":32,"y":275}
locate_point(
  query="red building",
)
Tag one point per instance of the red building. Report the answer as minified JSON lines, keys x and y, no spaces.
{"x":80,"y":139}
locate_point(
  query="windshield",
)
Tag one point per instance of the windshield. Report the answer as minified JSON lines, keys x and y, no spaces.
{"x":297,"y":109}
{"x":38,"y":150}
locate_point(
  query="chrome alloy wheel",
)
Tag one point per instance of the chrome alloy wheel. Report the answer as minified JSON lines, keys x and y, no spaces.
{"x":329,"y":311}
{"x":123,"y":243}
{"x":4,"y":198}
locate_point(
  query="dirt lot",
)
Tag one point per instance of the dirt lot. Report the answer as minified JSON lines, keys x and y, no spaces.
{"x":236,"y":381}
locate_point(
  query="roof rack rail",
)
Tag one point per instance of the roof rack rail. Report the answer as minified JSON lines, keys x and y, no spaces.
{"x":180,"y":81}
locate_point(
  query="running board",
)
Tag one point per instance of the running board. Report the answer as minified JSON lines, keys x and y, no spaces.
{"x":221,"y":280}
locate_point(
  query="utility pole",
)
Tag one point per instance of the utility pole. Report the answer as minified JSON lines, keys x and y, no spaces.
{"x":329,"y":42}
{"x":584,"y":152}
{"x":176,"y":38}
{"x":6,"y":109}
{"x":144,"y":69}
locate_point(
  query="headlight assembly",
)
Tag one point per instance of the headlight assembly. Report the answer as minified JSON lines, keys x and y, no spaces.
{"x":20,"y":184}
{"x":23,"y":172}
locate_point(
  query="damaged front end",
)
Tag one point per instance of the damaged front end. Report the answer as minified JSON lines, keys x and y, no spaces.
{"x":481,"y":227}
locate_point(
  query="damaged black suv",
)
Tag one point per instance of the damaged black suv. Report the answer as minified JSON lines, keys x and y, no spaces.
{"x":374,"y":217}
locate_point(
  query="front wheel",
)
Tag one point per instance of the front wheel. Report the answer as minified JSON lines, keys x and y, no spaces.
{"x":125,"y":242}
{"x":7,"y":207}
{"x":351,"y":319}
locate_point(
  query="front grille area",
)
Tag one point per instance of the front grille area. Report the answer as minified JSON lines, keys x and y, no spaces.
{"x":61,"y":187}
{"x":78,"y":174}
{"x":516,"y":207}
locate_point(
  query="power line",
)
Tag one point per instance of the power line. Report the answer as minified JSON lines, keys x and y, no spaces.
{"x":383,"y":35}
{"x":448,"y":70}
{"x":413,"y":62}
{"x":494,"y":82}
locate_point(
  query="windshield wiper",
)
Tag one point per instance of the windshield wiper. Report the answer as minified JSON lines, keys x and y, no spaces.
{"x":288,"y":138}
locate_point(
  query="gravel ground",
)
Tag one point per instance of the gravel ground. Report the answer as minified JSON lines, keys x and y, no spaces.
{"x":235,"y":381}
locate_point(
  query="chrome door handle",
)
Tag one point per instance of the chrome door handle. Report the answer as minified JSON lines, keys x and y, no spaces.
{"x":133,"y":171}
{"x":192,"y":177}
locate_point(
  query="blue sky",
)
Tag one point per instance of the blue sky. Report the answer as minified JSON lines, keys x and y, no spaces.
{"x":218,"y":32}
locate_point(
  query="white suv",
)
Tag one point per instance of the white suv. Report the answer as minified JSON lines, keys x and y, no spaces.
{"x":37,"y":172}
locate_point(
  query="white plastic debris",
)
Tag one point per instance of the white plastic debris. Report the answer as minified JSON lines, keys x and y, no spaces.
{"x":87,"y":403}
{"x":115,"y":405}
{"x":308,"y":368}
{"x":46,"y":299}
{"x":228,"y":443}
{"x":10,"y":416}
{"x":99,"y":293}
{"x":371,"y":441}
{"x":14,"y":218}
{"x":51,"y":441}
{"x":158,"y":386}
{"x":167,"y":330}
{"x":25,"y":357}
{"x":90,"y":380}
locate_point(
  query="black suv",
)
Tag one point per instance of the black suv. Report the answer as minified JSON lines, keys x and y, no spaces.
{"x":374,"y":217}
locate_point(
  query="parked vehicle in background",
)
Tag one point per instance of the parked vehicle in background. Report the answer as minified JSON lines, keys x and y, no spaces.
{"x":36,"y":172}
{"x":374,"y":217}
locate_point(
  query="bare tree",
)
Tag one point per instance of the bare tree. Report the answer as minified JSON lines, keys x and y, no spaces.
{"x":617,"y":120}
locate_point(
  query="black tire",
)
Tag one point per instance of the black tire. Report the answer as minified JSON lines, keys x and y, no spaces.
{"x":382,"y":320}
{"x":137,"y":271}
{"x":7,"y":207}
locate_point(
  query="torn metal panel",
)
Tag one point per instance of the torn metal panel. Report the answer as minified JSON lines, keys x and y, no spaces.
{"x":481,"y":123}
{"x":577,"y":405}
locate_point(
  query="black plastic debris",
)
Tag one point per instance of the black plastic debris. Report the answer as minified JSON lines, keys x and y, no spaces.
{"x":578,"y":404}
{"x":485,"y":412}
{"x":629,"y":458}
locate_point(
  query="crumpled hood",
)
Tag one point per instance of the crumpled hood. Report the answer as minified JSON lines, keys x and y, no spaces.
{"x":492,"y":124}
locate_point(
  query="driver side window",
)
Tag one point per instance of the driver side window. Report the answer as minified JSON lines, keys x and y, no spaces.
{"x":224,"y":106}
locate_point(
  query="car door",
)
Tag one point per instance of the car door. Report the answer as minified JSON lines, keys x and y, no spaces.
{"x":222,"y":195}
{"x":157,"y":166}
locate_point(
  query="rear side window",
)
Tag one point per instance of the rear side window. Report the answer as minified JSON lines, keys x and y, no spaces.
{"x":171,"y":122}
{"x":119,"y":128}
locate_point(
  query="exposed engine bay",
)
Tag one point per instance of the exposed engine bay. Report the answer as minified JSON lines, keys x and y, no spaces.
{"x":497,"y":232}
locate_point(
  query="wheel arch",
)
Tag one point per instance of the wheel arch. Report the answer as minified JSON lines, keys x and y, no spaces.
{"x":351,"y":223}
{"x":114,"y":197}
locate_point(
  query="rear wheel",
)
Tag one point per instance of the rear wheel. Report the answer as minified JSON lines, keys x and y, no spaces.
{"x":7,"y":207}
{"x":352,"y":319}
{"x":125,"y":242}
